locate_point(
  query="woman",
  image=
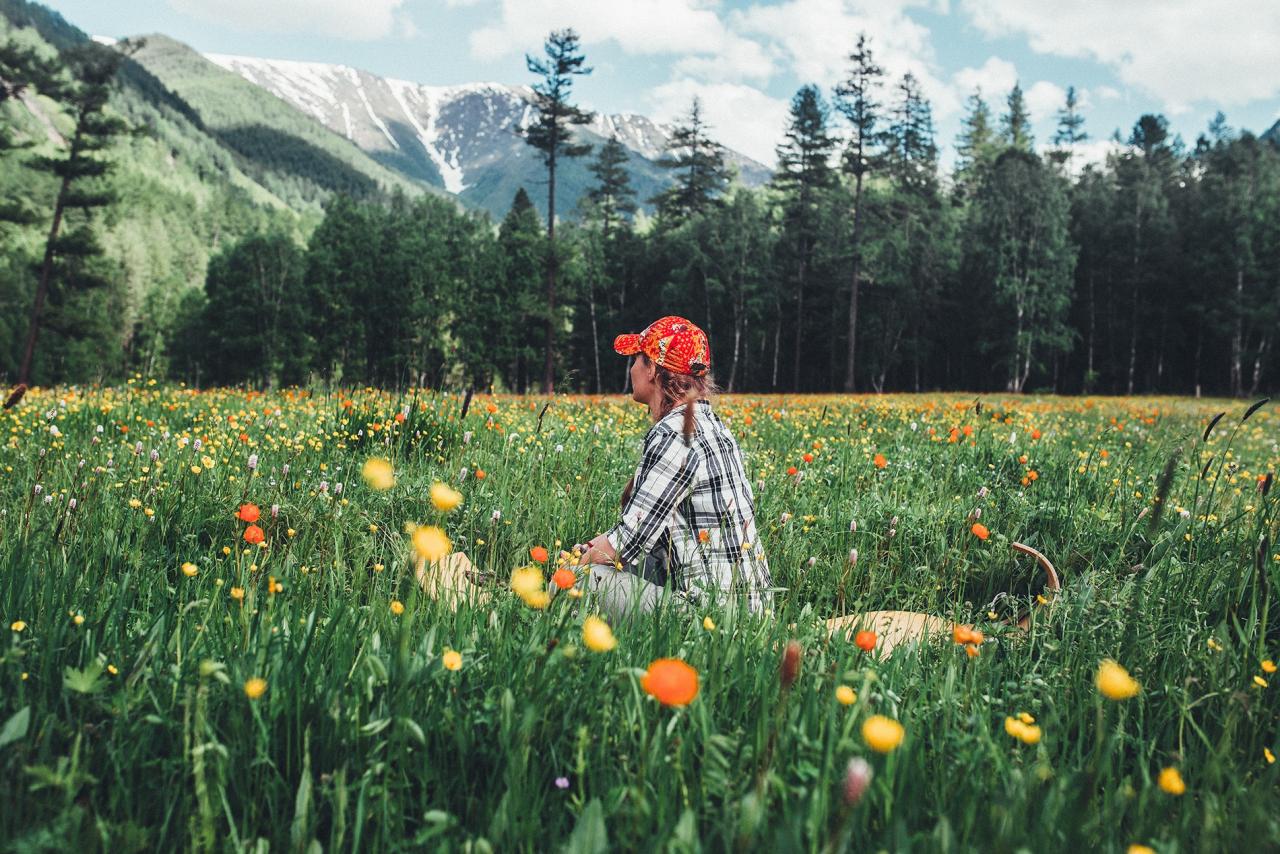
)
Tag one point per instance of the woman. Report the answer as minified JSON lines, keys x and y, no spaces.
{"x":688,"y":514}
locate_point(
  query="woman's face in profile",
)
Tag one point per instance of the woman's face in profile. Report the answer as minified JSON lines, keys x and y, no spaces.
{"x":641,"y":380}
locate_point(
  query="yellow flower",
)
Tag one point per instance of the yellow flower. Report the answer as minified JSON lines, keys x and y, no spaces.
{"x":1026,"y":717}
{"x":430,"y":543}
{"x":846,"y":695}
{"x":190,"y":570}
{"x":255,"y":687}
{"x":1171,"y":782}
{"x":452,"y":660}
{"x":709,"y":624}
{"x":1022,"y":731}
{"x":529,"y":585}
{"x":397,"y":607}
{"x":196,"y":469}
{"x":1214,"y":645}
{"x":135,"y":503}
{"x":1135,"y":848}
{"x":1259,"y":681}
{"x":1268,"y":755}
{"x":226,"y":550}
{"x":882,"y":734}
{"x":1114,"y":682}
{"x":291,"y":533}
{"x":1268,"y":666}
{"x":379,"y":474}
{"x":207,"y":462}
{"x":113,"y":670}
{"x":237,"y":593}
{"x":444,"y":498}
{"x":78,"y":619}
{"x":17,"y":626}
{"x":597,"y":635}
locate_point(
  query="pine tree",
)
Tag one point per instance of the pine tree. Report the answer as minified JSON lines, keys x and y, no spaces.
{"x":1015,"y":125}
{"x":910,"y":152}
{"x":975,"y":147}
{"x":698,"y":161}
{"x":518,"y":239}
{"x":804,"y":175}
{"x":550,"y":134}
{"x":856,"y":101}
{"x":1070,"y":132}
{"x":67,"y":267}
{"x":612,"y":194}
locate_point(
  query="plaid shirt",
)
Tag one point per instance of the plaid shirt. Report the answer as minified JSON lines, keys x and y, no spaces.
{"x":697,"y":502}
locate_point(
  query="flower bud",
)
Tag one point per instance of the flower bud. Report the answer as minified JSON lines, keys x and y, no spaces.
{"x":253,"y":462}
{"x":790,"y":664}
{"x":857,"y":777}
{"x":853,"y":558}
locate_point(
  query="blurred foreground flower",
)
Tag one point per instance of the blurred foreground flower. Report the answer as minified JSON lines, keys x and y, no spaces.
{"x":379,"y":474}
{"x":1023,"y":730}
{"x":451,"y":660}
{"x":445,"y":498}
{"x":255,"y":687}
{"x":597,"y":635}
{"x":857,"y":777}
{"x":882,"y":734}
{"x":671,"y":682}
{"x":1114,"y":682}
{"x":1171,"y":782}
{"x":430,"y":543}
{"x":528,"y":584}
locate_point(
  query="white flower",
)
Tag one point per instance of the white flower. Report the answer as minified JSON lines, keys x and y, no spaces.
{"x":853,"y":557}
{"x":253,"y":462}
{"x":54,"y":431}
{"x":497,"y":514}
{"x":466,"y":438}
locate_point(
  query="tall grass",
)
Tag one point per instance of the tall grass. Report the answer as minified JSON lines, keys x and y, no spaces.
{"x":130,"y":729}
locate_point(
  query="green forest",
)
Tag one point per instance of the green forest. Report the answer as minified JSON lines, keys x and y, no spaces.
{"x":193,"y":246}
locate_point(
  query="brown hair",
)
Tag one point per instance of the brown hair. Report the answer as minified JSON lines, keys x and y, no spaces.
{"x":677,"y":389}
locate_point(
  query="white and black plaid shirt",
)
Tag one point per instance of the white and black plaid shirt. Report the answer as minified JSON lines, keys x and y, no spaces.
{"x":697,"y":501}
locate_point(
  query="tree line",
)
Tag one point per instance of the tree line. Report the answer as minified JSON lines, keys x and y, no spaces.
{"x":860,"y":267}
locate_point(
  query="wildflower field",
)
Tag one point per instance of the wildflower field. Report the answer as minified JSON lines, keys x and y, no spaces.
{"x":212,"y":637}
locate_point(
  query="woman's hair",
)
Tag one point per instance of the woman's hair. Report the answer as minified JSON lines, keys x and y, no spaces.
{"x":677,"y":389}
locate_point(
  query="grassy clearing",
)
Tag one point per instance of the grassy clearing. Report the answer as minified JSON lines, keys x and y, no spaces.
{"x":126,"y":720}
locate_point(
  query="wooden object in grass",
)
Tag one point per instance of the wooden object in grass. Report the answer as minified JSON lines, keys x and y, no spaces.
{"x":897,"y":627}
{"x":449,"y":580}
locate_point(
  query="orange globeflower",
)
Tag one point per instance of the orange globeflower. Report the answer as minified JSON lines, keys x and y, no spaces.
{"x":538,"y":554}
{"x":253,"y":535}
{"x":248,"y":513}
{"x":880,"y":461}
{"x":980,"y":531}
{"x":808,"y":458}
{"x":563,"y":578}
{"x":480,"y":474}
{"x":791,"y":472}
{"x":865,"y":640}
{"x":671,"y":682}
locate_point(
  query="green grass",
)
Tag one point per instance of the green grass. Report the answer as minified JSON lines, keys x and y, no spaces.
{"x":131,"y":730}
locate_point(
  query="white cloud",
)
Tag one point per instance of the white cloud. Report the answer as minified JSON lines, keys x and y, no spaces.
{"x":641,"y":27}
{"x":1044,"y":99}
{"x":740,"y":117}
{"x":358,"y":20}
{"x":1180,"y":51}
{"x":995,"y":78}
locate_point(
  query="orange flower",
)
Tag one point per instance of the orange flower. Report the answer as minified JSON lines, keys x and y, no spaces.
{"x":253,"y":535}
{"x":880,"y":461}
{"x":808,"y":458}
{"x":490,"y":408}
{"x":1035,"y":434}
{"x":966,"y":635}
{"x":791,"y":472}
{"x":704,"y":535}
{"x":538,"y":554}
{"x":968,"y":430}
{"x":248,"y":513}
{"x":980,"y":531}
{"x":480,"y":474}
{"x":563,"y":578}
{"x":865,"y":640}
{"x":671,"y":682}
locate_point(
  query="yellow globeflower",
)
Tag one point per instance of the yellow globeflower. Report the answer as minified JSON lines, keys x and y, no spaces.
{"x":1021,"y":730}
{"x":1259,"y":681}
{"x":882,"y":734}
{"x":445,"y":498}
{"x":190,"y":570}
{"x":1171,"y":782}
{"x":255,"y":687}
{"x":452,"y":660}
{"x":1268,"y":666}
{"x":379,"y":474}
{"x":17,"y":626}
{"x":846,"y":695}
{"x":529,"y":585}
{"x":597,"y":635}
{"x":1114,"y":682}
{"x":431,"y":543}
{"x":397,"y":607}
{"x":1268,"y":755}
{"x":709,"y":624}
{"x":1135,"y":848}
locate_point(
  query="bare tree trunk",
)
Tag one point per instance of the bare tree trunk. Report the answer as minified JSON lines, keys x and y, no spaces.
{"x":46,"y":273}
{"x":595,"y":334}
{"x":795,"y":370}
{"x":1258,"y":358}
{"x":777,"y":342}
{"x":849,"y":383}
{"x":1088,"y":372}
{"x":1237,"y":338}
{"x":549,"y":361}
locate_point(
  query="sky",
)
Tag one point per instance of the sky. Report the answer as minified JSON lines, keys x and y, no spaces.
{"x":745,"y":59}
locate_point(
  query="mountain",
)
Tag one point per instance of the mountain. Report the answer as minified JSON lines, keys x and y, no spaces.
{"x":1273,"y":133}
{"x":461,"y":139}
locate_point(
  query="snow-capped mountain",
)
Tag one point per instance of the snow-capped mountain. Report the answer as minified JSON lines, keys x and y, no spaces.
{"x":464,"y":139}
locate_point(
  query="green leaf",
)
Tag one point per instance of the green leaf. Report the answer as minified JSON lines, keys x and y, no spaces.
{"x":16,"y":727}
{"x":589,"y":835}
{"x":83,"y":681}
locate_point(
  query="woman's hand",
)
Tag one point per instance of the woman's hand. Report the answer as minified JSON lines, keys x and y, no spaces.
{"x":598,"y":550}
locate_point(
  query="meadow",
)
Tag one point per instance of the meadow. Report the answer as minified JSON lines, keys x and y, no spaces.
{"x":211,"y":635}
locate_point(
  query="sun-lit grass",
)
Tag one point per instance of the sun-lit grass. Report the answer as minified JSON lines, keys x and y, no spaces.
{"x":166,"y":684}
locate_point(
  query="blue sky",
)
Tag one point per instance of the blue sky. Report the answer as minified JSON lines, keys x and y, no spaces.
{"x":1186,"y":59}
